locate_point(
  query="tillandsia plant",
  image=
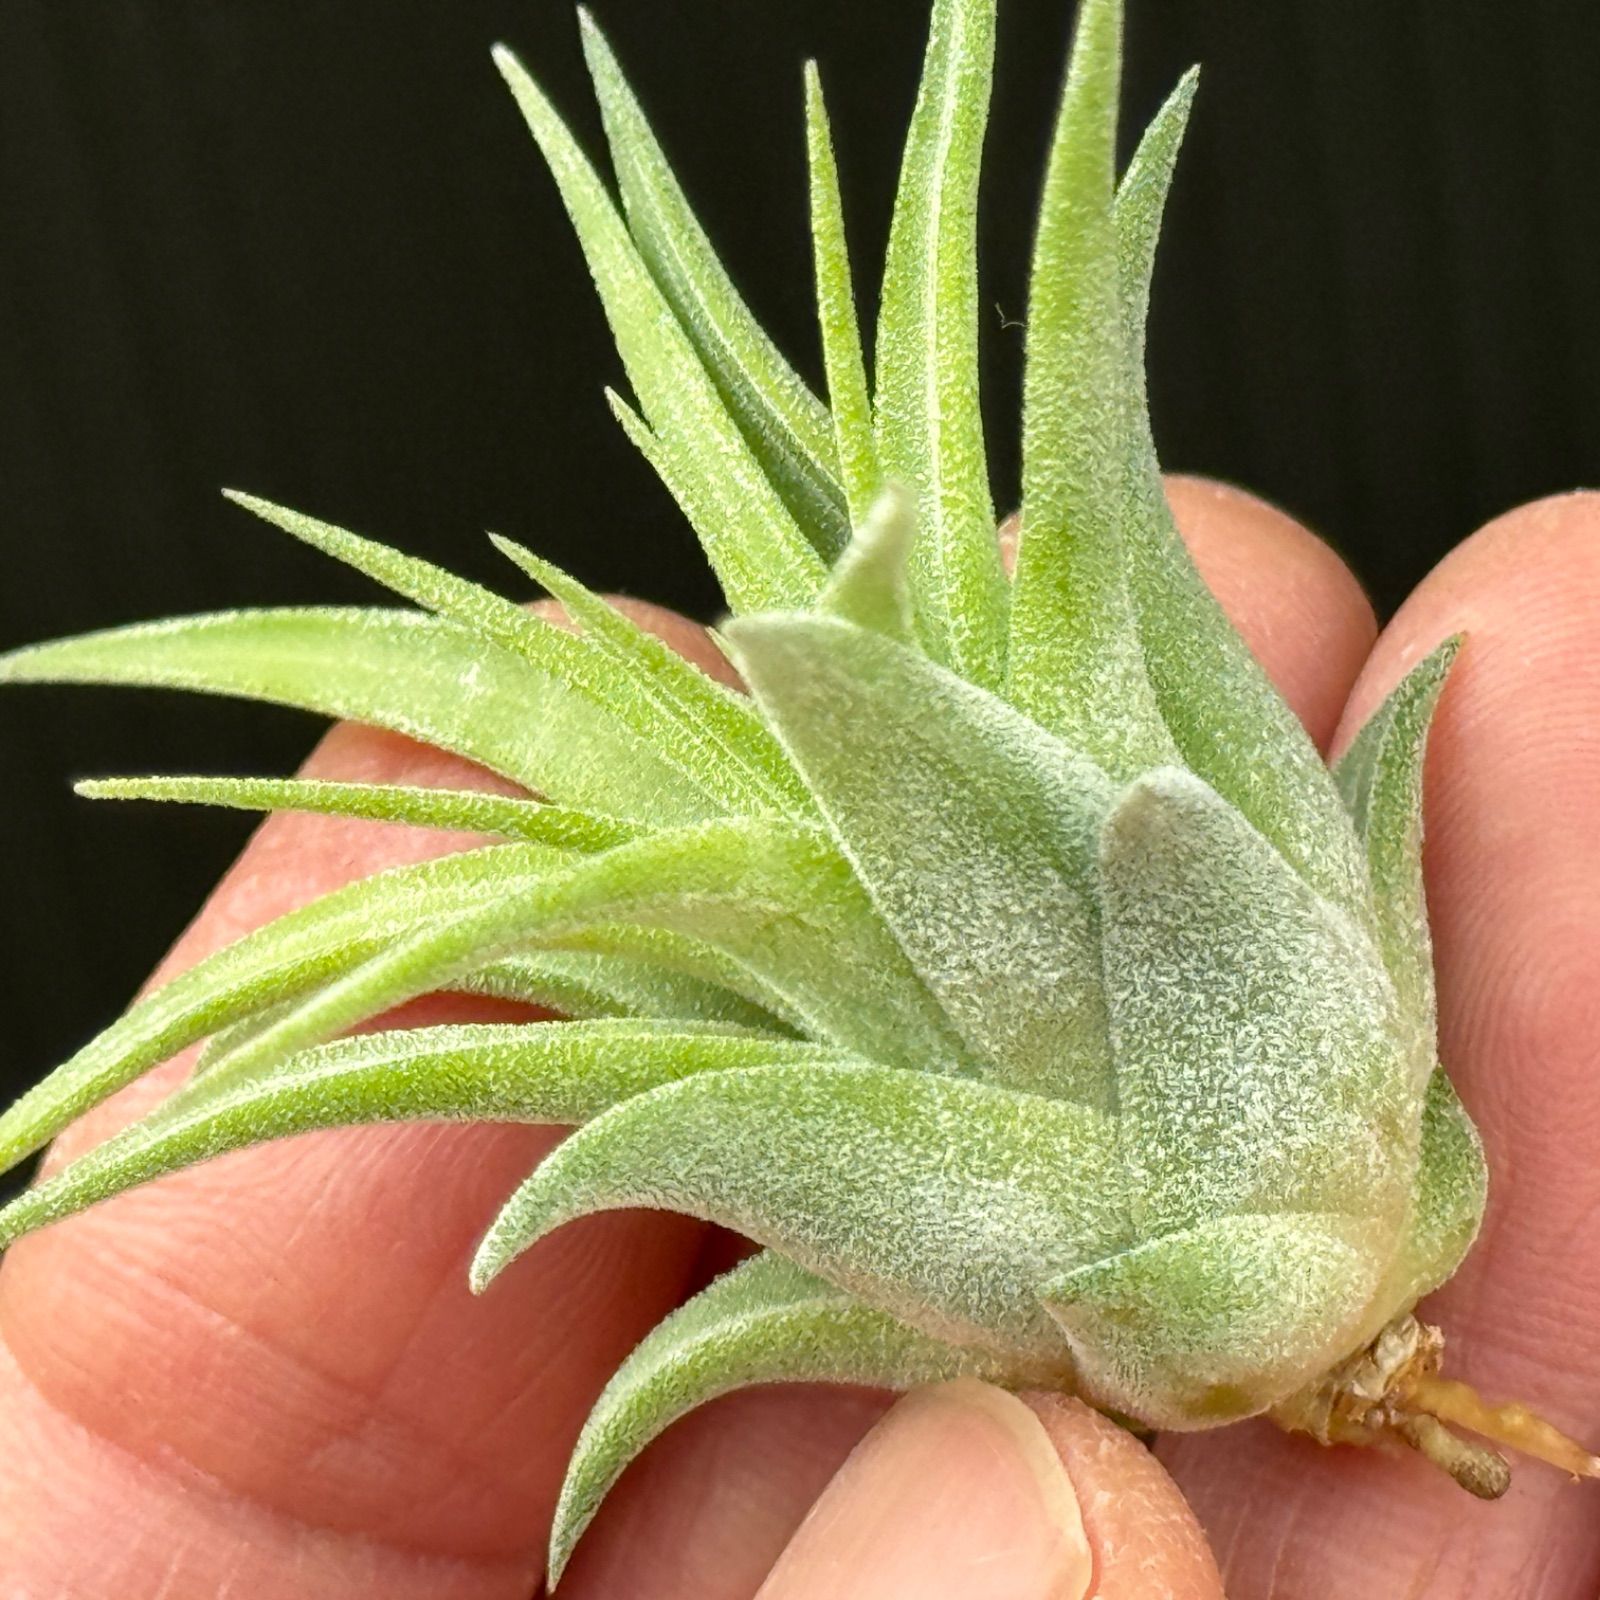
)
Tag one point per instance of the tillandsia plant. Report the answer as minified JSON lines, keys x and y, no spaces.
{"x":1006,"y":962}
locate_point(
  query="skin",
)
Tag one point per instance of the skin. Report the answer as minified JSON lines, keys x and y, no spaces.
{"x":265,"y":1378}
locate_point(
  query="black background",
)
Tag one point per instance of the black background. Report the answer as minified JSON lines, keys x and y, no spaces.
{"x":308,"y":249}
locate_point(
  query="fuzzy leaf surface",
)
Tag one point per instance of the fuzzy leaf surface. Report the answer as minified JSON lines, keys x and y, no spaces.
{"x":736,"y":752}
{"x":1076,"y":661}
{"x":1258,"y":1061}
{"x":772,"y":909}
{"x":930,"y":427}
{"x":974,"y":832}
{"x":761,"y":556}
{"x":944,"y":1202}
{"x":868,"y":584}
{"x":716,"y":745}
{"x":1380,"y":778}
{"x":1224,"y":714}
{"x":552,"y":1072}
{"x":786,"y":426}
{"x":421,"y":676}
{"x":766,"y":1321}
{"x":1447,"y":1209}
{"x":457,"y":810}
{"x":649,"y":982}
{"x":290,"y":957}
{"x":1220,"y":1321}
{"x":843,"y":358}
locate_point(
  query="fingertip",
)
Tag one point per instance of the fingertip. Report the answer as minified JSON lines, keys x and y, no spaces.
{"x":1144,"y":1537}
{"x":957,"y":1491}
{"x":1524,"y":588}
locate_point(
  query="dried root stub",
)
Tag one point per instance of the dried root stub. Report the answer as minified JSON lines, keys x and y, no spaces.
{"x":1391,"y":1395}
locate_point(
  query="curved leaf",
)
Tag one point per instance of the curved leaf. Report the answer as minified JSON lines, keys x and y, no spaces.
{"x":1224,"y":714}
{"x":1380,"y":779}
{"x":785,"y":425}
{"x":597,"y":984}
{"x":766,"y":1321}
{"x":521,"y":1072}
{"x":1447,"y":1207}
{"x":1259,"y":1060}
{"x":974,"y":832}
{"x":938,"y":1200}
{"x":290,"y":957}
{"x":629,"y":677}
{"x":760,"y":555}
{"x":856,"y":446}
{"x":1221,"y":1321}
{"x":773,"y":903}
{"x":868,"y":583}
{"x":1076,"y":664}
{"x":424,"y":677}
{"x":737,"y":752}
{"x":458,"y":810}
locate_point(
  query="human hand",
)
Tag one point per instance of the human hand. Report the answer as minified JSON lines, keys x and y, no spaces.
{"x":266,"y":1378}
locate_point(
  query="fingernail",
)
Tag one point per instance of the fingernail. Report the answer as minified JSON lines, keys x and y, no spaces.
{"x":957,"y":1492}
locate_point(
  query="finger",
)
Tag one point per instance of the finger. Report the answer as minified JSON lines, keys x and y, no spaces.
{"x":964,"y":1490}
{"x":1513,"y":872}
{"x":275,"y":1358}
{"x":705,"y":1513}
{"x":753,"y":1467}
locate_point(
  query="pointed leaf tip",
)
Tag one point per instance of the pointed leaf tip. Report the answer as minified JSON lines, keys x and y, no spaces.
{"x":869,"y":584}
{"x":695,"y":440}
{"x":843,"y":357}
{"x":786,"y":427}
{"x":1076,"y":660}
{"x":930,"y":423}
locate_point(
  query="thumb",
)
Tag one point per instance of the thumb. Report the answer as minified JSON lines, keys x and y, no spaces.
{"x":965,"y":1492}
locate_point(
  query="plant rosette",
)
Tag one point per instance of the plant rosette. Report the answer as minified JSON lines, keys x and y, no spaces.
{"x":1006,"y":962}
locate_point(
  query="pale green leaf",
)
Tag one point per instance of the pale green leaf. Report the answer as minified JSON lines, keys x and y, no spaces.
{"x":842,"y":355}
{"x":289,"y":957}
{"x":459,"y":810}
{"x":1259,"y":1062}
{"x":760,"y":555}
{"x":1141,"y":203}
{"x":1380,"y":778}
{"x":1225,"y":716}
{"x":974,"y":832}
{"x":941,"y":1201}
{"x":766,"y":1321}
{"x":785,"y":425}
{"x":557,"y":1072}
{"x":586,"y":983}
{"x":623,"y":688}
{"x":1447,"y":1208}
{"x":1220,"y":1321}
{"x":1076,"y":664}
{"x":225,"y":1041}
{"x":868,"y":583}
{"x":432,"y":587}
{"x":694,"y":708}
{"x":930,"y":426}
{"x":576,"y":984}
{"x":685,"y":488}
{"x":421,"y":676}
{"x":774,"y":906}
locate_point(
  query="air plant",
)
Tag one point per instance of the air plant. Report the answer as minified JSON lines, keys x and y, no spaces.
{"x":1006,"y":962}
